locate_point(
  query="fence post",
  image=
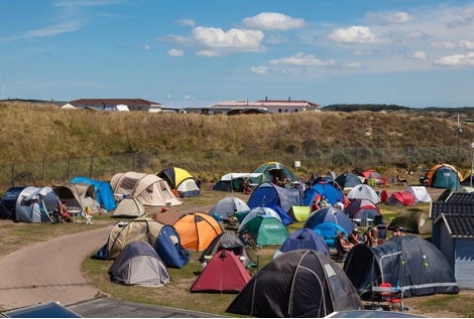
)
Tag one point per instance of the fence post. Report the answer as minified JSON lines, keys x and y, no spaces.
{"x":13,"y":172}
{"x":134,"y":160}
{"x":69,"y":166}
{"x":42,"y":169}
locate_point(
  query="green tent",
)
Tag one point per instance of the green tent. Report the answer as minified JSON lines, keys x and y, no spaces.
{"x":270,"y":170}
{"x":266,"y":230}
{"x":413,"y":221}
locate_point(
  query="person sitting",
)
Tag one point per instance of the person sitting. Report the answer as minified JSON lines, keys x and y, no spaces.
{"x":354,"y":237}
{"x":63,"y":213}
{"x":315,"y":206}
{"x":397,"y":233}
{"x":323,"y":202}
{"x":342,"y":247}
{"x":339,"y":205}
{"x":370,"y":237}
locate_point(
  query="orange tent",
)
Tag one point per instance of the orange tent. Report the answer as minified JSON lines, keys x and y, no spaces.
{"x":443,"y":176}
{"x":197,"y":230}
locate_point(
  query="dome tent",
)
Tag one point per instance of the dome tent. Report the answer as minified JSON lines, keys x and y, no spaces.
{"x":304,"y":238}
{"x":228,"y":206}
{"x":270,"y":170}
{"x":311,"y":286}
{"x":181,"y":180}
{"x":410,"y":262}
{"x":443,"y":176}
{"x":139,"y":264}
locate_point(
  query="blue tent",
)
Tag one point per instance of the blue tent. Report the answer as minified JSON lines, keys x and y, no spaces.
{"x":305,"y":238}
{"x":328,"y":231}
{"x":332,"y":215}
{"x":103,"y":191}
{"x":267,"y":194}
{"x":8,"y":204}
{"x":172,"y":253}
{"x":328,"y":190}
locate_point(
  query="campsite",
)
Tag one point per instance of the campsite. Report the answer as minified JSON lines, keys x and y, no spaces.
{"x":210,"y":168}
{"x":177,"y":295}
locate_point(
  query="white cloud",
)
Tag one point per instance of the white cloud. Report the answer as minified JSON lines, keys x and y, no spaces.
{"x":385,"y":18}
{"x":175,"y":53}
{"x":186,"y":22}
{"x":261,"y":70}
{"x":442,"y":45}
{"x":147,"y":47}
{"x":208,"y":53}
{"x":188,"y":97}
{"x":232,"y":40}
{"x":301,"y":59}
{"x":466,"y":44}
{"x":464,"y":18}
{"x":354,"y":34}
{"x":276,"y":39}
{"x":456,"y":60}
{"x":273,"y":21}
{"x":418,"y":55}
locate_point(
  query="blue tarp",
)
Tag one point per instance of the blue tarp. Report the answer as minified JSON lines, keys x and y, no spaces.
{"x":103,"y":191}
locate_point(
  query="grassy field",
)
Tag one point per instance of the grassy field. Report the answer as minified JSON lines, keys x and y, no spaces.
{"x":176,"y":293}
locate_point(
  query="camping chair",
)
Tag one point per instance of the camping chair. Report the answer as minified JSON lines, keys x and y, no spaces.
{"x":88,"y":215}
{"x":388,"y":294}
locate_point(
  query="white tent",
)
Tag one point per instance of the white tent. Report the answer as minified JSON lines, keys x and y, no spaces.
{"x":364,"y":191}
{"x":149,"y":189}
{"x":420,"y":193}
{"x":231,"y":176}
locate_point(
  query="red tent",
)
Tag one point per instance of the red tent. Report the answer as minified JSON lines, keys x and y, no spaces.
{"x":223,"y":273}
{"x":404,"y":198}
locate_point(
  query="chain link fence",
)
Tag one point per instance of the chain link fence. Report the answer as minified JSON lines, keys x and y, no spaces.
{"x":57,"y":171}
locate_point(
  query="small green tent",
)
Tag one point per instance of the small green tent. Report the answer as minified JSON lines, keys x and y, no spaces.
{"x":271,"y":170}
{"x":266,"y":230}
{"x":413,"y":221}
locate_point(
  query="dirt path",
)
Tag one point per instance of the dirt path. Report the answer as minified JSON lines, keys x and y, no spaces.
{"x":49,"y":271}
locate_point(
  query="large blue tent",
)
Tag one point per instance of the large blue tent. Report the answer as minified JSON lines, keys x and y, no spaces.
{"x":332,"y":215}
{"x":103,"y":191}
{"x":328,"y":190}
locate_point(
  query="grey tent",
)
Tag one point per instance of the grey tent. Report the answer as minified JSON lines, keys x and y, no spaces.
{"x":410,"y":262}
{"x":35,"y":205}
{"x":139,"y":264}
{"x":228,"y":206}
{"x":227,"y":241}
{"x":299,"y":283}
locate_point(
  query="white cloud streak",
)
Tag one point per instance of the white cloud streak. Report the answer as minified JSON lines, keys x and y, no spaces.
{"x":386,"y":18}
{"x":301,"y":59}
{"x":456,"y":60}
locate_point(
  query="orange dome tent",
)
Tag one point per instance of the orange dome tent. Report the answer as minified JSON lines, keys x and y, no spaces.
{"x":197,"y":230}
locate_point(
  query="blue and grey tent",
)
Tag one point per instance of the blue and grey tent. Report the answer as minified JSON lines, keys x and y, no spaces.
{"x":348,"y":180}
{"x":305,"y":238}
{"x":139,"y":264}
{"x":29,"y":204}
{"x":267,"y":194}
{"x":410,"y":262}
{"x":332,"y":215}
{"x":103,"y":191}
{"x":328,"y":190}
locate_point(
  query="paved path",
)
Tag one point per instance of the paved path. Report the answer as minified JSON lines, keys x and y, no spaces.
{"x":49,"y":271}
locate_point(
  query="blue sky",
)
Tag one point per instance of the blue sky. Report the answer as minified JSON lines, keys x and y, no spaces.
{"x":196,"y":53}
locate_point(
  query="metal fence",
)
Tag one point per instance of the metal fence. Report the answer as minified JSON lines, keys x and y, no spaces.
{"x":49,"y":171}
